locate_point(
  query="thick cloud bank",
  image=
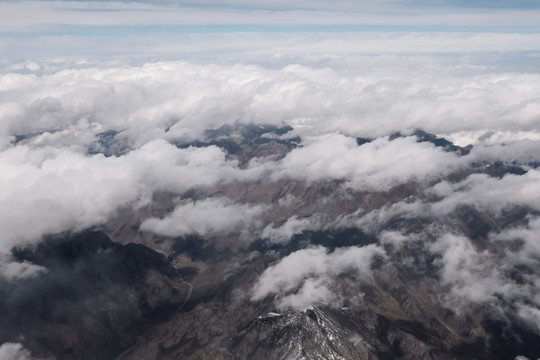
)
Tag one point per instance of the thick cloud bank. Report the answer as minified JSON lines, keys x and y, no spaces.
{"x":179,"y":100}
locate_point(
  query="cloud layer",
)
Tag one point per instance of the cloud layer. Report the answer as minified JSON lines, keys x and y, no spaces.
{"x":101,"y":13}
{"x":80,"y":143}
{"x":175,"y":100}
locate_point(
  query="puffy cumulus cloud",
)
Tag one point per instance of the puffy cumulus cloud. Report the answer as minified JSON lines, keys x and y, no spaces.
{"x":14,"y":351}
{"x":372,"y":220}
{"x":488,"y":193}
{"x":531,"y":314}
{"x":378,"y":165}
{"x":529,"y":251}
{"x":213,"y":216}
{"x":395,"y":238}
{"x":311,"y":291}
{"x":305,"y":276}
{"x":294,"y":225}
{"x":26,"y":65}
{"x":524,"y":150}
{"x":500,"y":275}
{"x":13,"y":271}
{"x":469,"y":272}
{"x":48,"y":190}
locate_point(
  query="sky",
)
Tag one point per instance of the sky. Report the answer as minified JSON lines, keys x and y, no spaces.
{"x":254,"y":30}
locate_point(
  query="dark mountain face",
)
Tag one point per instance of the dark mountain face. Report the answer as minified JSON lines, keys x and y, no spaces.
{"x":246,"y":141}
{"x":109,"y":143}
{"x":423,"y":136}
{"x":92,"y":299}
{"x":330,"y":239}
{"x":443,"y":280}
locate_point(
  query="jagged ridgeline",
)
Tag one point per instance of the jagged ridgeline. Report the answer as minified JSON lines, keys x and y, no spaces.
{"x":402,"y":246}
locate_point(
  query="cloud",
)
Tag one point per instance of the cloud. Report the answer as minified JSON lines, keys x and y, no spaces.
{"x":305,"y":276}
{"x":530,"y":248}
{"x":355,"y":50}
{"x":215,"y":216}
{"x":14,"y":271}
{"x":504,"y":148}
{"x":530,"y":314}
{"x":394,"y":238}
{"x":501,"y":276}
{"x":179,"y":100}
{"x":57,"y":190}
{"x":14,"y":351}
{"x":488,"y":193}
{"x":291,"y":227}
{"x":39,"y":14}
{"x":376,"y":166}
{"x":27,"y":65}
{"x":470,"y":273}
{"x":241,"y":30}
{"x":311,"y":291}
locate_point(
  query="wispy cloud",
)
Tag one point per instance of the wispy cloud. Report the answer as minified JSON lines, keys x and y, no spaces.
{"x":45,"y":29}
{"x":31,"y":14}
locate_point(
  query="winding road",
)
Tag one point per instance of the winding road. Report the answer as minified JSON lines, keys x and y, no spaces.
{"x":189,"y":292}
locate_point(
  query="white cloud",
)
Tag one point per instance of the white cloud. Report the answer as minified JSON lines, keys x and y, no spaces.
{"x":530,"y":250}
{"x":471,"y":274}
{"x":489,"y":193}
{"x":291,"y":227}
{"x":215,"y":216}
{"x":504,"y":148}
{"x":378,"y":165}
{"x":29,"y":15}
{"x":394,"y":238}
{"x":357,"y":50}
{"x":13,"y":271}
{"x":174,"y":100}
{"x":311,"y":291}
{"x":26,"y":65}
{"x":14,"y":351}
{"x":305,"y":276}
{"x":531,"y":314}
{"x":47,"y":190}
